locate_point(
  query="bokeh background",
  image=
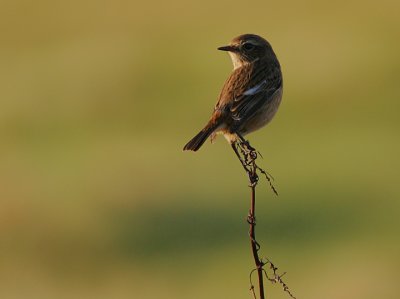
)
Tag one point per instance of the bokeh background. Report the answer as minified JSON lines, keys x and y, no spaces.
{"x":97,"y":199}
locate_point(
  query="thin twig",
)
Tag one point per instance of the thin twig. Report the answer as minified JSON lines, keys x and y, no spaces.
{"x":252,"y":232}
{"x":247,"y":156}
{"x":251,"y":284}
{"x":278,"y":278}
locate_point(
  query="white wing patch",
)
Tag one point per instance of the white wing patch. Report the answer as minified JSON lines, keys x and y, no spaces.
{"x":255,"y":89}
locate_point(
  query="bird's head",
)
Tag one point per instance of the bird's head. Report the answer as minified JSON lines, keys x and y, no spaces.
{"x":247,"y":48}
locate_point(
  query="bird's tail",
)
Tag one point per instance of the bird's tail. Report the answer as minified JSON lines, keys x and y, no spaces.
{"x":198,"y":140}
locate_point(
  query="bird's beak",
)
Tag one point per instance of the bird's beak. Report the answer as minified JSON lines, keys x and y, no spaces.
{"x":228,"y":48}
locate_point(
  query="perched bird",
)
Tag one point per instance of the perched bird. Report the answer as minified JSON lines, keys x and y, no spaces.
{"x":250,"y":96}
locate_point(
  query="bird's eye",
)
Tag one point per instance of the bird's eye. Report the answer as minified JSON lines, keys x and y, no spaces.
{"x":248,"y":46}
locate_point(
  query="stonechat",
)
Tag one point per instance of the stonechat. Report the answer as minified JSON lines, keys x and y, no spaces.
{"x":250,"y":96}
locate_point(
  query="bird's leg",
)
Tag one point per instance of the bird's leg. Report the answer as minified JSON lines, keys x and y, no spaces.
{"x":247,"y":162}
{"x":247,"y":156}
{"x":249,"y":152}
{"x":246,"y":143}
{"x":244,"y":164}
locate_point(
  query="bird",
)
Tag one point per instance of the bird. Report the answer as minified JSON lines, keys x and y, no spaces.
{"x":250,"y":96}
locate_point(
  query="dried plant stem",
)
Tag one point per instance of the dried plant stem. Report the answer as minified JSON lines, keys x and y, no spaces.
{"x":251,"y":219}
{"x":247,"y":156}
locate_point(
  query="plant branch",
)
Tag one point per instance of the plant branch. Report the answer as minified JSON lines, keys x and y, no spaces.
{"x":247,"y":156}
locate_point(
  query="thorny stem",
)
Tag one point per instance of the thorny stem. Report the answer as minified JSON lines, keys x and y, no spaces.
{"x":247,"y":156}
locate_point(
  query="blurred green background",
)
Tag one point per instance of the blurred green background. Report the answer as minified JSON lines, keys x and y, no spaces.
{"x":97,"y":199}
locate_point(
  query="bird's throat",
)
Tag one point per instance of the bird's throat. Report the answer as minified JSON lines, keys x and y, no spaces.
{"x":237,"y":62}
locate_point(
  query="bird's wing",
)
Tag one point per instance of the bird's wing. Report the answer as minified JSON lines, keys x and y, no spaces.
{"x":253,"y":95}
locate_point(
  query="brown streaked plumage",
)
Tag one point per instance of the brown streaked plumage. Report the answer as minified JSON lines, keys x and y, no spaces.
{"x":250,"y":96}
